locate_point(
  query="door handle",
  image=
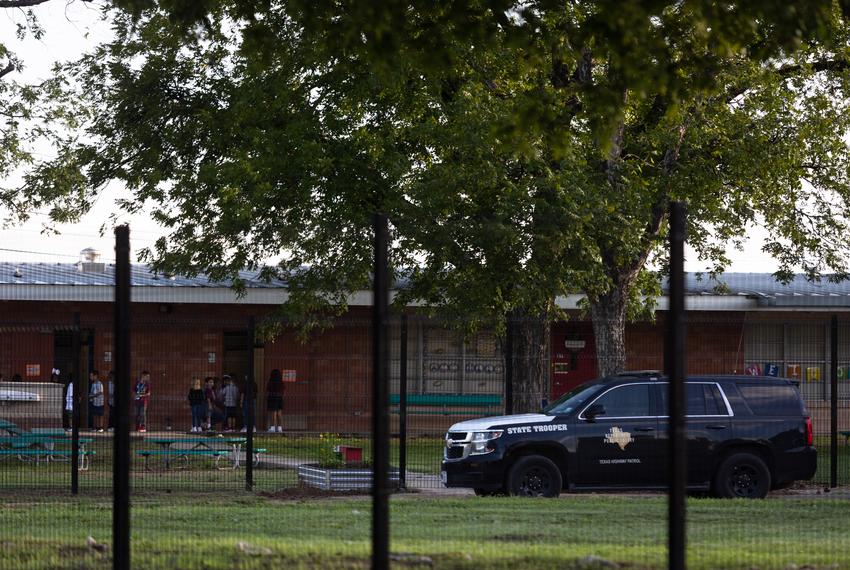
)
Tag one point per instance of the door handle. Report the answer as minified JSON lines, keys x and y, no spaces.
{"x":715,"y":426}
{"x":644,"y":429}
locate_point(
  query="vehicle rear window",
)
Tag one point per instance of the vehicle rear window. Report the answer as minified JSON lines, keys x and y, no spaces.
{"x":771,"y":400}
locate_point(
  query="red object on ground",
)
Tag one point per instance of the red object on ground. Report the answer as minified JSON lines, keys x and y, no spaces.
{"x":351,"y":454}
{"x":810,"y":434}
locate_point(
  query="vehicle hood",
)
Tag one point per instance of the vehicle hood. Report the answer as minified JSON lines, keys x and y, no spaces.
{"x":488,"y":423}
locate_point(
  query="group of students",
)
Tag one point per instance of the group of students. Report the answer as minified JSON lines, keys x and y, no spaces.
{"x":219,"y":403}
{"x":97,"y":397}
{"x":211,"y":404}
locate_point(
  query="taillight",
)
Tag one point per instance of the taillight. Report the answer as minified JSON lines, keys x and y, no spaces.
{"x":810,"y":438}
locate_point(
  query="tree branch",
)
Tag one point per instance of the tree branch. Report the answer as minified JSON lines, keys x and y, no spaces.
{"x":20,"y":3}
{"x":788,"y":70}
{"x":659,"y":209}
{"x":7,"y":70}
{"x":581,"y":76}
{"x":820,"y":65}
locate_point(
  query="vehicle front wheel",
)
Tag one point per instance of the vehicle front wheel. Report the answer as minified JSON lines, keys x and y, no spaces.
{"x":534,"y":476}
{"x":742,"y":475}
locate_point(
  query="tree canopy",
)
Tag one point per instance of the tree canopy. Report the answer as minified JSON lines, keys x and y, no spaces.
{"x":30,"y":114}
{"x":522,"y":150}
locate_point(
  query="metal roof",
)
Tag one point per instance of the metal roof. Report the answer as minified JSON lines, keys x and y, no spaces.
{"x":768,"y":292}
{"x":140,"y":276}
{"x":59,"y":281}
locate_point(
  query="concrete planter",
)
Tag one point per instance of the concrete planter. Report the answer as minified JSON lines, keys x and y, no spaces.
{"x":342,"y":479}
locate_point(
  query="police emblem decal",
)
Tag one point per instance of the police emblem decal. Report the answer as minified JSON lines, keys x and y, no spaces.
{"x":619,"y":437}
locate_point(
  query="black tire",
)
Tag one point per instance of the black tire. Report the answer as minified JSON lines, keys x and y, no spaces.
{"x":534,"y":476}
{"x":742,"y":475}
{"x":479,"y":492}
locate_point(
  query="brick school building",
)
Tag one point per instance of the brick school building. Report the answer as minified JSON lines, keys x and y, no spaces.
{"x":59,"y":316}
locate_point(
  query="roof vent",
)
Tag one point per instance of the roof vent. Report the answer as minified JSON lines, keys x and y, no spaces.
{"x":90,"y":261}
{"x":18,"y":272}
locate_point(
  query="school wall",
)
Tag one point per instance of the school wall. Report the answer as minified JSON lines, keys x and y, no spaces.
{"x":330,"y":370}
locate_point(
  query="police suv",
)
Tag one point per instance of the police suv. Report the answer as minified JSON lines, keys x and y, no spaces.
{"x":746,"y":435}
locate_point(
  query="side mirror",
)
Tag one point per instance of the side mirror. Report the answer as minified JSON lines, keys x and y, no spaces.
{"x":593,"y":411}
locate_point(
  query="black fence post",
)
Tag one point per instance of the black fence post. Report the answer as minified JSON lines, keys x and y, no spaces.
{"x":380,"y":424}
{"x":75,"y":406}
{"x":250,"y":396}
{"x":675,"y":369}
{"x":509,"y":367}
{"x":402,"y":407}
{"x":833,"y":402}
{"x":121,"y":423}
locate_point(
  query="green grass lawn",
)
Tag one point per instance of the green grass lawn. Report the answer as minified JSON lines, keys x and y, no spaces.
{"x":423,"y":456}
{"x":822,"y":475}
{"x":188,"y":531}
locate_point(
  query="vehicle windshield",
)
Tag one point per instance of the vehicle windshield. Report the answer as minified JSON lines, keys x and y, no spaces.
{"x":571,"y":400}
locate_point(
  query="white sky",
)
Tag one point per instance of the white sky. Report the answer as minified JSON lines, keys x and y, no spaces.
{"x":72,"y":27}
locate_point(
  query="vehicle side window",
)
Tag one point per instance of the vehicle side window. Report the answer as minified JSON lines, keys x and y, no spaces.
{"x":626,"y":401}
{"x":694,"y":400}
{"x":714,"y":404}
{"x":771,"y":400}
{"x":700,"y":400}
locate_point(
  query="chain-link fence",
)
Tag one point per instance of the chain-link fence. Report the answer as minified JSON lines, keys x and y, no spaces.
{"x":304,"y":502}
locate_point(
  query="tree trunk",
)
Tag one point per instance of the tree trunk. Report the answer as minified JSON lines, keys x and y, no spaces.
{"x":608,"y":313}
{"x":530,"y":336}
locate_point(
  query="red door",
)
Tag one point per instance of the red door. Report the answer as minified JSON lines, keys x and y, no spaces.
{"x":573,"y":356}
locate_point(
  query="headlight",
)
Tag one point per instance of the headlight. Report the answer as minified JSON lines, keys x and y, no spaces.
{"x":481,"y":439}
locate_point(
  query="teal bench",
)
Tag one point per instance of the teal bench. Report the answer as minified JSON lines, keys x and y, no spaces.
{"x":185,"y":454}
{"x":48,"y":454}
{"x":28,"y":440}
{"x":448,"y":404}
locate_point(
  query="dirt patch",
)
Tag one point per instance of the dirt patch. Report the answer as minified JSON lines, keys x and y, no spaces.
{"x":303,"y":492}
{"x":306,"y":492}
{"x":808,"y":489}
{"x":517,"y":538}
{"x":76,"y":552}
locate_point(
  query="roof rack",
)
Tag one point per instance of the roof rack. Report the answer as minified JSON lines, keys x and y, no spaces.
{"x":638,"y":373}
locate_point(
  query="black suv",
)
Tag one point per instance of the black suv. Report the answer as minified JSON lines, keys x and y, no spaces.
{"x":746,"y":435}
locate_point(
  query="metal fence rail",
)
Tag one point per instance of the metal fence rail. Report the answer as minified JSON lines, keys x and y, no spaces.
{"x":199,"y":377}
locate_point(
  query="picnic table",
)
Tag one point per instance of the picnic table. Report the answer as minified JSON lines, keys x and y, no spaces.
{"x":185,"y":447}
{"x":35,"y":447}
{"x":846,"y":435}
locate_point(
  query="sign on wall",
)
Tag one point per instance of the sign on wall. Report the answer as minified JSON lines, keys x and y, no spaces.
{"x":33,"y":370}
{"x":288,"y":375}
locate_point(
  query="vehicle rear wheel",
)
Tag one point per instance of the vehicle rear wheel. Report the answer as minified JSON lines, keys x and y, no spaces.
{"x":742,"y":475}
{"x":535,"y":476}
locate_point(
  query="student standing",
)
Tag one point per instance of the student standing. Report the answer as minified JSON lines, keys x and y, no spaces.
{"x":274,"y":401}
{"x":96,"y":400}
{"x":69,"y":406}
{"x":213,"y":415}
{"x":142,"y":399}
{"x":230,"y":395}
{"x":245,"y":403}
{"x":110,"y":401}
{"x":197,"y":402}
